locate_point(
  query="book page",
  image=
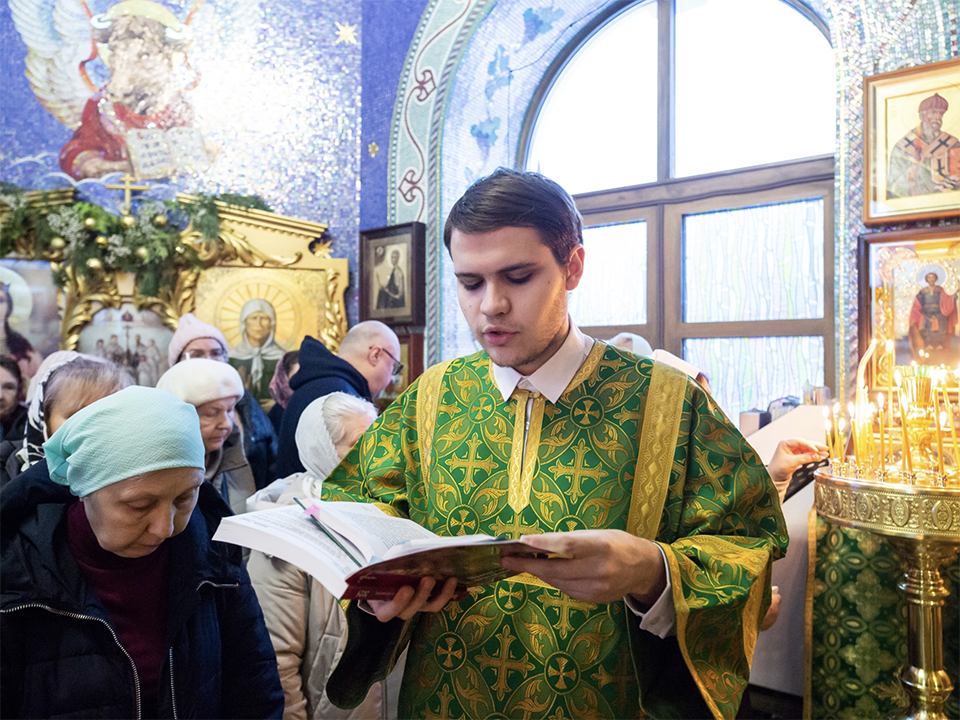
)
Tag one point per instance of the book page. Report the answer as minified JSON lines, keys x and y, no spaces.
{"x":368,"y":527}
{"x":187,"y":148}
{"x":149,"y":153}
{"x":289,"y":534}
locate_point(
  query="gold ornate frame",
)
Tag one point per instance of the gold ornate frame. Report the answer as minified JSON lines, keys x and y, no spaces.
{"x":244,"y":239}
{"x":883,"y":261}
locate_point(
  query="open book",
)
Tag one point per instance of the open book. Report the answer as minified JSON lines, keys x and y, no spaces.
{"x":159,"y":153}
{"x":357,"y":551}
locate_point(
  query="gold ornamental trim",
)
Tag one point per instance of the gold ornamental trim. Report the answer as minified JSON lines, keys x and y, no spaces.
{"x":662,"y":412}
{"x":893,"y":509}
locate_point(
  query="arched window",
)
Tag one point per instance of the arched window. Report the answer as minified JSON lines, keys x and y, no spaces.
{"x":698,"y":138}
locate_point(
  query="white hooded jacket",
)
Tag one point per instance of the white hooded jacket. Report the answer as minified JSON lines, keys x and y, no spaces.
{"x":306,"y":623}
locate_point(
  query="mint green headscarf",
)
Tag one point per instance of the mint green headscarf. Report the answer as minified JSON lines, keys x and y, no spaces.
{"x":134,"y":431}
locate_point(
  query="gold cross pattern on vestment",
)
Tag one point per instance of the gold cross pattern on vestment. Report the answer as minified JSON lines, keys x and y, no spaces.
{"x":445,"y":696}
{"x":471,"y":464}
{"x":515,"y":529}
{"x":503,"y":664}
{"x":128,"y":187}
{"x":577,"y":471}
{"x":564,"y":604}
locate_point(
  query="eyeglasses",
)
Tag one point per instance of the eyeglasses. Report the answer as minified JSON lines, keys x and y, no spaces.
{"x":397,"y":365}
{"x":216,"y":354}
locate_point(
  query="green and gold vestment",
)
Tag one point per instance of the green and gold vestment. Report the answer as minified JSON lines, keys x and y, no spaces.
{"x":449,"y":455}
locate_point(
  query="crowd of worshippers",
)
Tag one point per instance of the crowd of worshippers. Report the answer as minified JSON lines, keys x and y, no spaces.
{"x":116,"y":602}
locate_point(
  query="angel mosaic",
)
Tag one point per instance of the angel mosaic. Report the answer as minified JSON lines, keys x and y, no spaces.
{"x":121,"y":79}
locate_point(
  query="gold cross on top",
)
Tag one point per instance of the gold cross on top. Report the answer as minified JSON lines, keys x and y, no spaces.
{"x":128,"y":187}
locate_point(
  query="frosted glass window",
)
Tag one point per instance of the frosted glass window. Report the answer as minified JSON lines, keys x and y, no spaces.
{"x":756,"y":263}
{"x":613,"y":289}
{"x":754,"y":85}
{"x":597,"y":127}
{"x":747,"y":373}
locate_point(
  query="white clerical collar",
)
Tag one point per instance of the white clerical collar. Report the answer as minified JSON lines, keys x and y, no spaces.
{"x":551,"y":378}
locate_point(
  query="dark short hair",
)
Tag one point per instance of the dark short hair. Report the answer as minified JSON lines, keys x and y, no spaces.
{"x":515,"y":198}
{"x":11,"y":366}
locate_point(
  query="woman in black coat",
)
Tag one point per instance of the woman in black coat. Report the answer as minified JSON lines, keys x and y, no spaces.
{"x":118,"y":604}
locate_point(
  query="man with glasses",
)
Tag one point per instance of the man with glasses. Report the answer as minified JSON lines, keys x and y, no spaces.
{"x":364,"y":366}
{"x":197,"y":339}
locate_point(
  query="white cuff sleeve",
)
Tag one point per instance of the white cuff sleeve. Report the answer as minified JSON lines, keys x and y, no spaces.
{"x":661,"y":618}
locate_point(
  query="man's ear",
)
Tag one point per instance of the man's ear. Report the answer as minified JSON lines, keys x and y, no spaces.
{"x":575,"y":267}
{"x":373,"y":356}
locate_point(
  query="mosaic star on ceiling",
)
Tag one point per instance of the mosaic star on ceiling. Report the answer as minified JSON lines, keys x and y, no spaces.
{"x":346,"y":33}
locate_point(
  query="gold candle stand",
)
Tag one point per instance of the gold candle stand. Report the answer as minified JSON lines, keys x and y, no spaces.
{"x":922,"y":523}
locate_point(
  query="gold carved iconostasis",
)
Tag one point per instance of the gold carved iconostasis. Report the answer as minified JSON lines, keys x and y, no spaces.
{"x":265,"y":280}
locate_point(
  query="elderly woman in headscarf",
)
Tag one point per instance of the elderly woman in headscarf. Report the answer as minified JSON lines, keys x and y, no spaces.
{"x":214,"y":388}
{"x":256,"y":356}
{"x":114,"y":601}
{"x":307,"y":626}
{"x":68,"y":381}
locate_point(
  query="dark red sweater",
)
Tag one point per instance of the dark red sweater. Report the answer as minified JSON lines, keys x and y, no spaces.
{"x":134,"y":593}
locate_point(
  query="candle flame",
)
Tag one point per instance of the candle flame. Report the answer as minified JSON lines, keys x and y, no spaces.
{"x":880,"y":400}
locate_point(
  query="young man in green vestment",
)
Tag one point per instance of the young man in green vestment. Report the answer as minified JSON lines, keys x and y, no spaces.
{"x":666,"y":519}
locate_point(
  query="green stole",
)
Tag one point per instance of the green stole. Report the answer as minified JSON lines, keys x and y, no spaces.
{"x":454,"y":462}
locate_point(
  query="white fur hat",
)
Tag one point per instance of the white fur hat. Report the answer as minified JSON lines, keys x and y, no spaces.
{"x":200,"y":380}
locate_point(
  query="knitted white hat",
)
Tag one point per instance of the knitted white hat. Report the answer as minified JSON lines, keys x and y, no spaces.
{"x":191,"y":329}
{"x":200,"y":380}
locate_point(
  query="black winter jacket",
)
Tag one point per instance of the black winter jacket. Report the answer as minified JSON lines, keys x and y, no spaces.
{"x":59,"y":656}
{"x":259,"y":440}
{"x":321,"y":373}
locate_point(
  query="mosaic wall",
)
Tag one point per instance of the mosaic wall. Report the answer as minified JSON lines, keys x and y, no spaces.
{"x":870,"y":38}
{"x":258,"y":98}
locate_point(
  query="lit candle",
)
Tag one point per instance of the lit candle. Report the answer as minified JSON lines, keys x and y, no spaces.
{"x":953,"y":431}
{"x":830,"y":442}
{"x":854,"y":430}
{"x":891,"y":366}
{"x":871,"y":439}
{"x":841,"y":445}
{"x":907,"y":460}
{"x":836,"y":431}
{"x":938,"y":422}
{"x":883,"y":454}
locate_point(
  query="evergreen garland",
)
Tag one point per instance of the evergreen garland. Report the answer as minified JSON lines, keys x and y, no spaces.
{"x":91,"y":240}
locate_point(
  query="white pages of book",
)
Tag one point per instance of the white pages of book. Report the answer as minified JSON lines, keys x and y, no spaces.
{"x":289,"y":534}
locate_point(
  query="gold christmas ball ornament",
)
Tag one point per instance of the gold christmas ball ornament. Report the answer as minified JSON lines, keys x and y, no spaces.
{"x":128,"y":221}
{"x":58,"y":243}
{"x":89,"y":223}
{"x":160,"y":220}
{"x":93,"y":264}
{"x":102,"y":241}
{"x":141,"y":253}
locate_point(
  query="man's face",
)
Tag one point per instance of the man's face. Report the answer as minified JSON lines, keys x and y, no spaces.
{"x":8,"y":392}
{"x":216,"y":422}
{"x":381,"y":374}
{"x":258,"y":326}
{"x":514,"y":294}
{"x":395,"y":257}
{"x":203,"y":348}
{"x":131,"y":518}
{"x":931,"y":279}
{"x":932,"y":120}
